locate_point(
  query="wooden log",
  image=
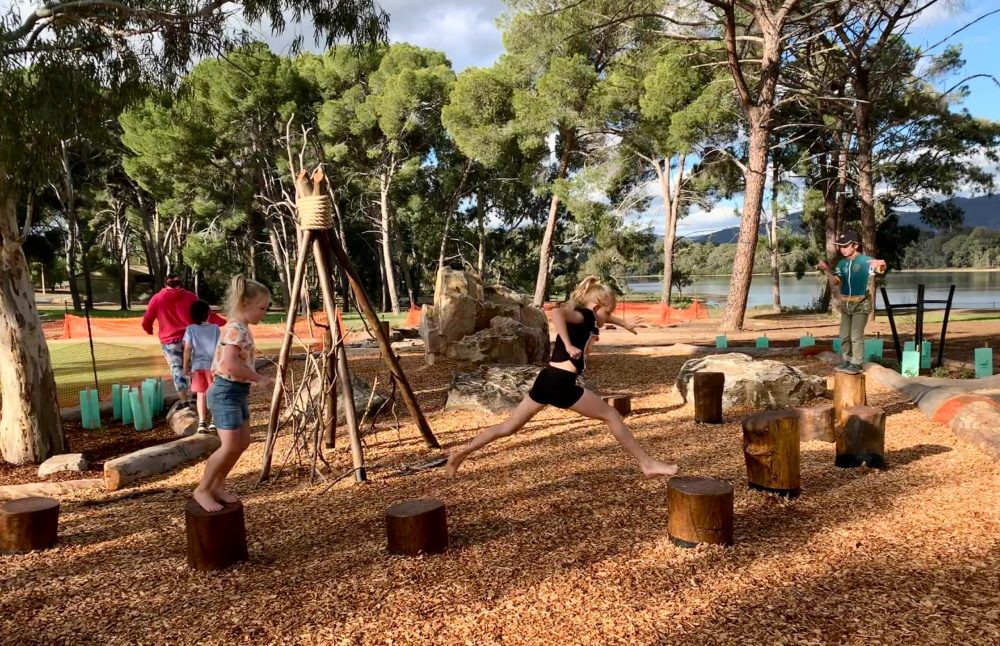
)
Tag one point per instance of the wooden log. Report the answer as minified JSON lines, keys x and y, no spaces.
{"x":13,"y":492}
{"x":215,"y":540}
{"x":708,"y":388}
{"x":862,"y":439}
{"x":417,"y":527}
{"x":816,"y":423}
{"x":701,"y":511}
{"x":28,"y":524}
{"x":848,"y":390}
{"x":771,"y":452}
{"x":183,"y":421}
{"x":621,"y":403}
{"x":155,"y":460}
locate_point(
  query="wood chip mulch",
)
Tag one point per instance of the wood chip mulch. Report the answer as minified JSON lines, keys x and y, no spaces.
{"x":555,"y":538}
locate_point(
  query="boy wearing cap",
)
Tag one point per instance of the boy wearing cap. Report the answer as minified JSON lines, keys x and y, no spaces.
{"x":852,"y":274}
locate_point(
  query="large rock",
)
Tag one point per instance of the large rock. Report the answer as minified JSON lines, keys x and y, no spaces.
{"x":492,"y":389}
{"x":476,"y":324}
{"x":754,"y":384}
{"x":309,"y":399}
{"x":64,"y":462}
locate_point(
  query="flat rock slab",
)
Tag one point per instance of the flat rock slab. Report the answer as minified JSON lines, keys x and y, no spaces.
{"x":750,"y":383}
{"x":64,"y":462}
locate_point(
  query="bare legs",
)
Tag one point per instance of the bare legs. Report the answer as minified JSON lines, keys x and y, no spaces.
{"x":521,"y":415}
{"x":202,"y":402}
{"x":211,"y":491}
{"x":592,"y":406}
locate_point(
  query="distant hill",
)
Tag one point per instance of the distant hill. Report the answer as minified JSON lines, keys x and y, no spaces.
{"x":983,"y":211}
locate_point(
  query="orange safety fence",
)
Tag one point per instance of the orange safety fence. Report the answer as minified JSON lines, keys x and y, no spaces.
{"x":308,"y":330}
{"x":412,"y":317}
{"x":655,"y":313}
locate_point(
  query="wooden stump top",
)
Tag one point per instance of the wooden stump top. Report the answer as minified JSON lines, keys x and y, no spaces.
{"x":763,"y":419}
{"x":700,"y":486}
{"x":862,"y":411}
{"x":410,"y":508}
{"x":28,"y":505}
{"x":197,"y":510}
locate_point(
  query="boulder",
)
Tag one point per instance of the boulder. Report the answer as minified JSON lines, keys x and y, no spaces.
{"x":309,"y":398}
{"x":754,"y":384}
{"x":64,"y":462}
{"x":492,"y":389}
{"x":505,"y":342}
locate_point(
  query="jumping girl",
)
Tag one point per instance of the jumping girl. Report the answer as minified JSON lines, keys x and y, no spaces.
{"x":577,"y":323}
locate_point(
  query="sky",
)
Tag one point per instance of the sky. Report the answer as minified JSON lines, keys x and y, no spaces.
{"x":466,"y":30}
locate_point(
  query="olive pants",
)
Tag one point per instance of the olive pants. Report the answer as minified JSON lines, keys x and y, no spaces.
{"x":853,"y":319}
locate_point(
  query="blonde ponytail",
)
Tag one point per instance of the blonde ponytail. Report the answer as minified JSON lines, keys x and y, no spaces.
{"x":243,"y":291}
{"x":592,"y":290}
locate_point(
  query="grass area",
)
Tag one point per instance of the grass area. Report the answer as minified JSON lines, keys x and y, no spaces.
{"x":117,"y":363}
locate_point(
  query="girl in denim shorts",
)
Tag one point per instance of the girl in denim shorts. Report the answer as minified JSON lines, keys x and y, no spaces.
{"x":233,"y":371}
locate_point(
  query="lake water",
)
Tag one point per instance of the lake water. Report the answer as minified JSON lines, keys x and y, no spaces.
{"x":973,"y":289}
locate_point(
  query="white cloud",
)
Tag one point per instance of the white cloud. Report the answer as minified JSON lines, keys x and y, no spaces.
{"x":698,"y":222}
{"x":938,"y":13}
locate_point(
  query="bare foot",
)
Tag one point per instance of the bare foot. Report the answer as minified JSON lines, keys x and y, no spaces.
{"x":224,"y":496}
{"x":207,"y":502}
{"x":659,"y":469}
{"x":455,"y":460}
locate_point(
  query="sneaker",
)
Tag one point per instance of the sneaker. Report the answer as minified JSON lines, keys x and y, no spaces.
{"x":212,"y":428}
{"x":853,"y":369}
{"x":845,"y":366}
{"x":202,"y":428}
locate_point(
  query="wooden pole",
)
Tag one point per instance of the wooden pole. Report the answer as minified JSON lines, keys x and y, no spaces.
{"x":28,"y":524}
{"x":330,"y":350}
{"x":708,"y":389}
{"x":771,"y":452}
{"x":701,"y":511}
{"x":862,"y":439}
{"x":417,"y":527}
{"x":286,"y":347}
{"x":390,"y":358}
{"x":848,"y":390}
{"x":320,"y":246}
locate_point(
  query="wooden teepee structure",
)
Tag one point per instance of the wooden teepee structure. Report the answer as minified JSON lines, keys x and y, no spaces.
{"x":314,"y":209}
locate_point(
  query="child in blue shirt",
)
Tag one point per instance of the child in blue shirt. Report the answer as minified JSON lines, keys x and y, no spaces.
{"x":852,"y":274}
{"x":200,"y":340}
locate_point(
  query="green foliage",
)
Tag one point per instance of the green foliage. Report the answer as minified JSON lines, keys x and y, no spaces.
{"x":977,"y":248}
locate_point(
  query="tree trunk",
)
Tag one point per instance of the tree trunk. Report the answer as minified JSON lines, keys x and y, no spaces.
{"x":282,"y":263}
{"x":863,"y":157}
{"x":123,"y":287}
{"x":671,"y":211}
{"x":74,"y":288}
{"x":739,"y":288}
{"x":548,"y":239}
{"x":383,"y":285}
{"x":481,"y":216}
{"x":30,"y":425}
{"x":404,"y":265}
{"x":151,"y":243}
{"x":385,"y":180}
{"x":773,"y":240}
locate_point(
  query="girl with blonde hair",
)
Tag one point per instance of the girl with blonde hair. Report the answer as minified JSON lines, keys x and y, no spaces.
{"x":577,"y":322}
{"x":233,"y":371}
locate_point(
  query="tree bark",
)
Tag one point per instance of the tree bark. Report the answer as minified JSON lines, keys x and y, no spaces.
{"x":385,"y":181}
{"x":671,"y":211}
{"x":863,"y":158}
{"x":30,"y":425}
{"x":773,"y":240}
{"x":282,"y":262}
{"x":739,"y":288}
{"x":404,"y":265}
{"x":481,"y":216}
{"x":548,"y":239}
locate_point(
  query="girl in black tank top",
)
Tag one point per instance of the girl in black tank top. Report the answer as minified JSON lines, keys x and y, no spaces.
{"x":577,"y":324}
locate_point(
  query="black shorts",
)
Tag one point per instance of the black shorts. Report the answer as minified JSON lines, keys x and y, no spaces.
{"x":556,"y":387}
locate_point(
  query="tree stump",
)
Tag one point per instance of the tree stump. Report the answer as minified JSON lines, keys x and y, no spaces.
{"x":417,"y":527}
{"x":28,"y":524}
{"x":848,"y":390}
{"x":701,"y":511}
{"x":817,"y":423}
{"x":621,"y":403}
{"x":771,"y":451}
{"x":862,"y":438}
{"x":215,"y":540}
{"x":708,"y":387}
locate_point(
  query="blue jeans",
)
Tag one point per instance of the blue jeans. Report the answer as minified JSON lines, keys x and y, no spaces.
{"x":227,"y":401}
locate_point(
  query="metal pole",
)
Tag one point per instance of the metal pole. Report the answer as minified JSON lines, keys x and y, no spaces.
{"x":920,"y":318}
{"x":892,"y":326}
{"x":944,"y":327}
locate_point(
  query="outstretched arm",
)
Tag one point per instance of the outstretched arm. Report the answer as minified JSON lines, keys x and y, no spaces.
{"x":878,"y":265}
{"x":629,"y":325}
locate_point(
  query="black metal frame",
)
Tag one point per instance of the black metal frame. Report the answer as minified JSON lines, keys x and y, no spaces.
{"x":920,"y":308}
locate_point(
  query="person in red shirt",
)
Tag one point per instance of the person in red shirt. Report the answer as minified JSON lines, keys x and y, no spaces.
{"x":170,"y":308}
